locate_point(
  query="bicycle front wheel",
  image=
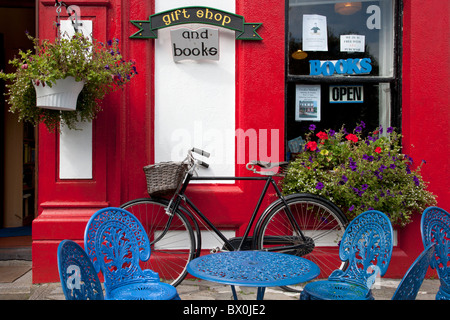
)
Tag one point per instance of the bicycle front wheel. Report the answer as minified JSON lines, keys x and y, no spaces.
{"x":172,"y":243}
{"x":320,"y":221}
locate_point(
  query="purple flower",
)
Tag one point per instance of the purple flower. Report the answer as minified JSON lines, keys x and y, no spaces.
{"x":351,"y":208}
{"x":312,"y":127}
{"x":392,"y":166}
{"x":363,"y":124}
{"x":109,"y":42}
{"x":358,"y":129}
{"x":378,"y":175}
{"x":390,"y":130}
{"x":352,"y":164}
{"x":416,"y":181}
{"x":319,"y":186}
{"x":331,"y":132}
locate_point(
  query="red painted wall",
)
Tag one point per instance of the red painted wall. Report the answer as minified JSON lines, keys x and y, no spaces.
{"x":123,"y":138}
{"x":123,"y":132}
{"x":425,"y":109}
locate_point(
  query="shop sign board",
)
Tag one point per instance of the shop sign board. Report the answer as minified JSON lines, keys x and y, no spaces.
{"x":347,"y":67}
{"x":188,"y":44}
{"x":346,"y":94}
{"x":203,"y":15}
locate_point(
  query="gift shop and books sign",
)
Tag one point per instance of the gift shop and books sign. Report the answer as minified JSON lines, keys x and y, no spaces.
{"x":148,"y":28}
{"x":195,"y":44}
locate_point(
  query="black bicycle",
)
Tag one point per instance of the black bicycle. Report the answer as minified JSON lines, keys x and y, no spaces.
{"x":300,"y":224}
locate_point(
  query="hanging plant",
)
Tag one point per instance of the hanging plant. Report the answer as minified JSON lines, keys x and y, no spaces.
{"x":99,"y":66}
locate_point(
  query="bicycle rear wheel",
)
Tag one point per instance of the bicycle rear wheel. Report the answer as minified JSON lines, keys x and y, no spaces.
{"x":320,"y":221}
{"x":172,"y":245}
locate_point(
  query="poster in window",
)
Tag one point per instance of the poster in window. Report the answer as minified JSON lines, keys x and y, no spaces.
{"x":307,"y":103}
{"x":315,"y":37}
{"x":352,"y":43}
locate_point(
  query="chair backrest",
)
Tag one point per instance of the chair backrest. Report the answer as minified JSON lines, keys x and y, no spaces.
{"x":79,"y":279}
{"x":435,"y":228}
{"x":367,"y":245}
{"x":413,"y":278}
{"x":116,"y":242}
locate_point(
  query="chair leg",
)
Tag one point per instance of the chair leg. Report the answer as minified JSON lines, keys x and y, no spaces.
{"x":260,"y":294}
{"x":234,"y":293}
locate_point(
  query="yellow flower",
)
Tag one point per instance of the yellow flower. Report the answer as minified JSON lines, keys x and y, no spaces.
{"x":324,"y":152}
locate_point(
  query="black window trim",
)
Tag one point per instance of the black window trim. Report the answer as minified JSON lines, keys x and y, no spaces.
{"x":395,"y":81}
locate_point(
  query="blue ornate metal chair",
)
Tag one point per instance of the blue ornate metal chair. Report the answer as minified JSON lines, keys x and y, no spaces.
{"x":367,"y":245}
{"x":79,"y":279}
{"x":435,"y":228}
{"x":413,"y":278}
{"x":116,"y":242}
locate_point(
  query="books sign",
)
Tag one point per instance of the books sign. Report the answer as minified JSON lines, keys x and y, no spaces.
{"x":197,"y":44}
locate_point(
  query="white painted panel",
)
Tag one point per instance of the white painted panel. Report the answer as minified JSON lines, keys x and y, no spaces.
{"x":75,"y":152}
{"x":75,"y":146}
{"x":195,"y":100}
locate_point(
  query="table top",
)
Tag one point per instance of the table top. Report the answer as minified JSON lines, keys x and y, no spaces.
{"x":253,"y":268}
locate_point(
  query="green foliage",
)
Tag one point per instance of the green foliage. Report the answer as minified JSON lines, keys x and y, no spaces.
{"x":360,"y":173}
{"x":100,"y":65}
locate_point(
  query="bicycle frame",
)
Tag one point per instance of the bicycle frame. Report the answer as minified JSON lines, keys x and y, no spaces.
{"x":180,"y":195}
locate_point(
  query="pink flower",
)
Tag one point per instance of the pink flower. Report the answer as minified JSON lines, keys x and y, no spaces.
{"x":312,"y":145}
{"x":322,"y":135}
{"x":351,"y":137}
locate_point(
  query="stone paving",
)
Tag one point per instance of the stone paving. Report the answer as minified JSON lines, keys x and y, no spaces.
{"x":193,"y":289}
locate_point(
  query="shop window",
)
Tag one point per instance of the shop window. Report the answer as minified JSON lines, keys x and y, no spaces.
{"x":341,"y":65}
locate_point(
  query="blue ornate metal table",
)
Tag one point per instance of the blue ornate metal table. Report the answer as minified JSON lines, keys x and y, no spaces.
{"x":253,"y":269}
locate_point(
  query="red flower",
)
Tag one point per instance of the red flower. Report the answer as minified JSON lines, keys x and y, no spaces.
{"x":352,"y":137}
{"x":322,"y":135}
{"x":312,"y":145}
{"x":377,"y":150}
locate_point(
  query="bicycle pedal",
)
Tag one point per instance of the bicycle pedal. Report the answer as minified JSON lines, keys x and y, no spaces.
{"x":215,"y":250}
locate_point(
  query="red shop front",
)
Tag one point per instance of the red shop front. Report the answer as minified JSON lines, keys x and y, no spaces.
{"x":234,"y":102}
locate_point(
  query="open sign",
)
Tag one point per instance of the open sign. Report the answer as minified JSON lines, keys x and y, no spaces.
{"x":346,"y":94}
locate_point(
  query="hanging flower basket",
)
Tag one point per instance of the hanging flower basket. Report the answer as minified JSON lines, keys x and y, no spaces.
{"x":62,"y":95}
{"x":98,"y":68}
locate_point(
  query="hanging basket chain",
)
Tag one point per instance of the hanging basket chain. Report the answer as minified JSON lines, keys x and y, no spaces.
{"x":69,"y":11}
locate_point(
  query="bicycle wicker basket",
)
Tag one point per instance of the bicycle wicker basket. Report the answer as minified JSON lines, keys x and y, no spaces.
{"x":163,"y":178}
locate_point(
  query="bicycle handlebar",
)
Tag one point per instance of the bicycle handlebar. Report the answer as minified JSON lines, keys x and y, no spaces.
{"x":202,"y":153}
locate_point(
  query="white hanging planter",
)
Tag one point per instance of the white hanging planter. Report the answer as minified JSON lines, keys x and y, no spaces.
{"x":62,"y":95}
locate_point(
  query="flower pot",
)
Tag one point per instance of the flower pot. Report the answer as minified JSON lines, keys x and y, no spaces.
{"x":62,"y":95}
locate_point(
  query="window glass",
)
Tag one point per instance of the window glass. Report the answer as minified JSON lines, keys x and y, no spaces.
{"x":341,"y":66}
{"x":332,"y":30}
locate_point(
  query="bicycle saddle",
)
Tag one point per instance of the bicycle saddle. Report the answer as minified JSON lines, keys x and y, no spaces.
{"x":268,"y":165}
